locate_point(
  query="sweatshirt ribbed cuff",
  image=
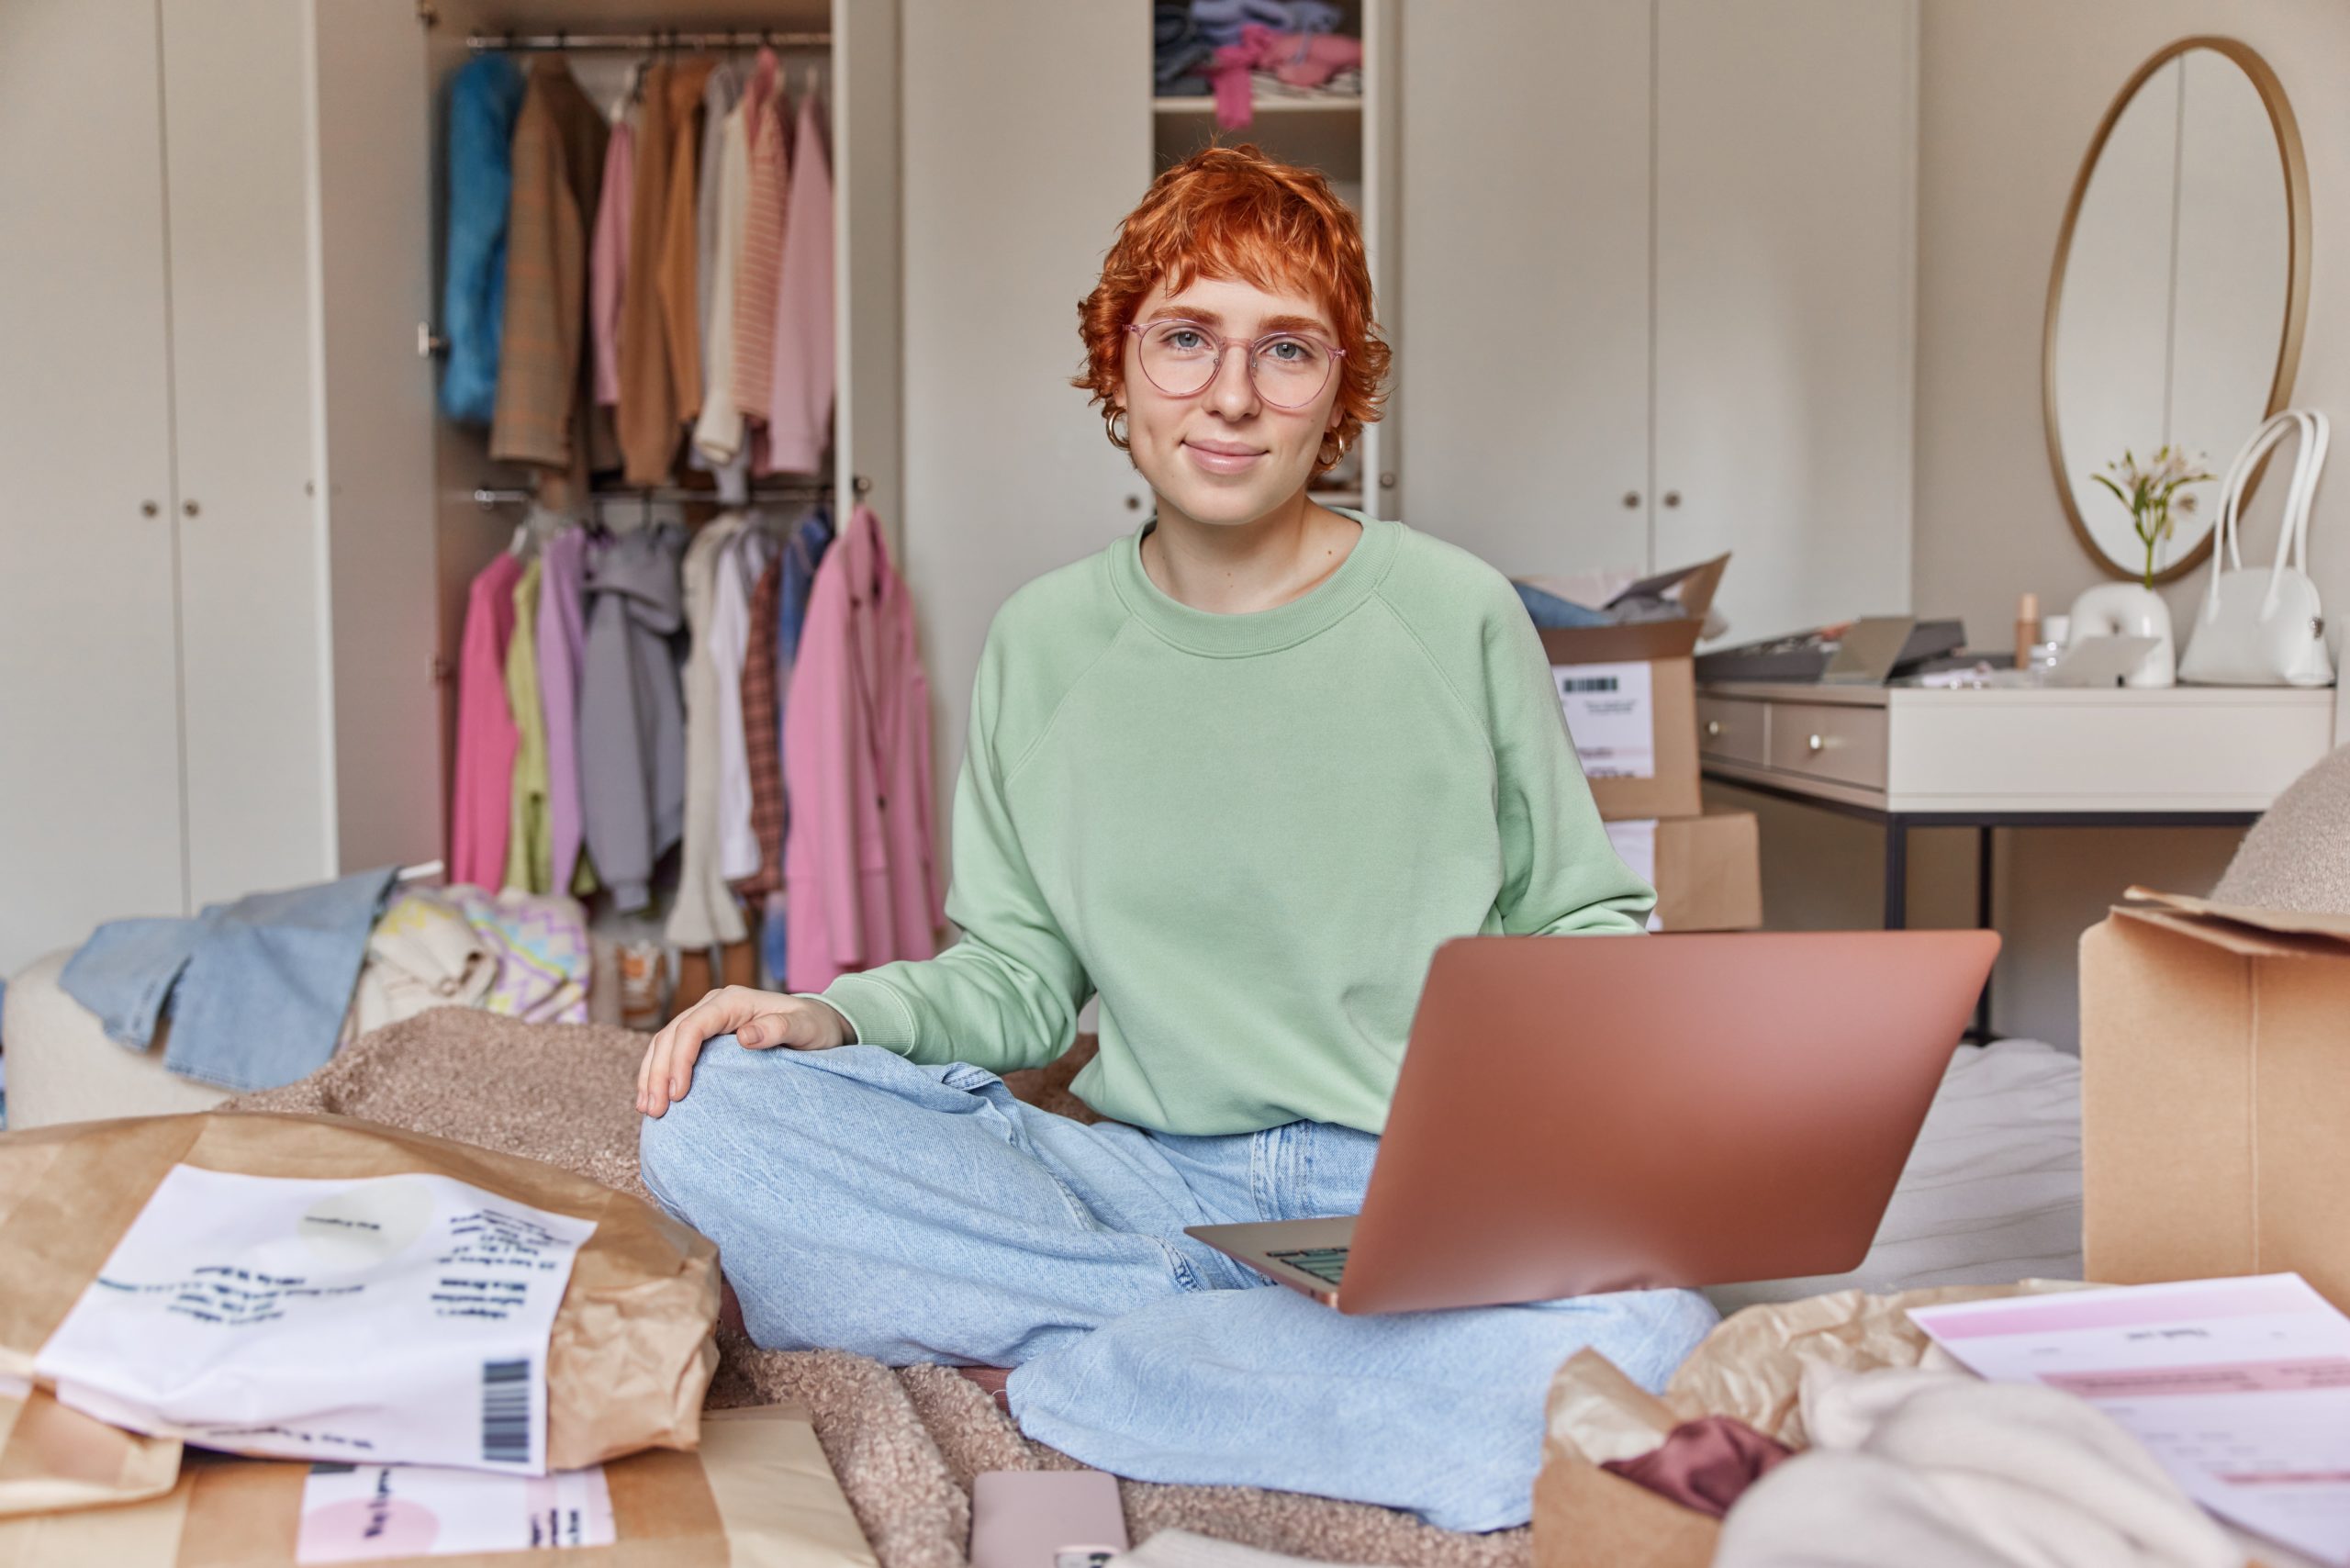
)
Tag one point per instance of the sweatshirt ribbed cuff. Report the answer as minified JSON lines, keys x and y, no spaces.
{"x":878,"y":1013}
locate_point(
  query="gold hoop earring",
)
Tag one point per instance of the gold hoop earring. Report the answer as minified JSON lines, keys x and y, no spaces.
{"x":1332,"y":449}
{"x":1118,"y":427}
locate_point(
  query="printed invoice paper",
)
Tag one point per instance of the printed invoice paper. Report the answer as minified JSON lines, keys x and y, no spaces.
{"x":2240,"y":1388}
{"x":398,"y":1319}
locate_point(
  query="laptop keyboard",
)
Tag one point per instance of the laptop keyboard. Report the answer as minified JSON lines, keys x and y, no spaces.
{"x":1324,"y":1263}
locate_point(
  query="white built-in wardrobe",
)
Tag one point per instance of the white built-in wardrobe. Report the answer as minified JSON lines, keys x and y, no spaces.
{"x":235,"y":535}
{"x":1656,"y":286}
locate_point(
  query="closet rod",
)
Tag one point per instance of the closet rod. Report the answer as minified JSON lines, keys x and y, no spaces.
{"x":488,"y":498}
{"x":638,"y":43}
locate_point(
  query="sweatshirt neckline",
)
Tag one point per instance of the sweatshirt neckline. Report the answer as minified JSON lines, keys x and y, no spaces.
{"x":1262,"y":630}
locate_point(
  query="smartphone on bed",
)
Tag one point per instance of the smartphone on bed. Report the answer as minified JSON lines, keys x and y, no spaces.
{"x":1045,"y":1519}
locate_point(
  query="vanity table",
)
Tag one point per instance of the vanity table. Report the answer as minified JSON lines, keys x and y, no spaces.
{"x":1909,"y":757}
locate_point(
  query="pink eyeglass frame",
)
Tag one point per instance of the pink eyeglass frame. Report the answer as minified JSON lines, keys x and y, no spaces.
{"x":1222,"y":342}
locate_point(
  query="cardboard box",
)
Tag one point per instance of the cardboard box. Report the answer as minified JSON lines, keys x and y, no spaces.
{"x":1708,"y":870}
{"x":2215,"y":1094}
{"x":757,"y":1494}
{"x":1629,"y":694}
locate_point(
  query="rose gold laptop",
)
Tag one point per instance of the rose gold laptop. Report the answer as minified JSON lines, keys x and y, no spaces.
{"x":1586,"y":1113}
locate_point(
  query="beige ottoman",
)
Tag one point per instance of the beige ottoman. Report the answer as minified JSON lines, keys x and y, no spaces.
{"x":61,"y":1066}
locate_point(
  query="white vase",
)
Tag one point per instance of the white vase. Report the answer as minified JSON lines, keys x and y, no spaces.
{"x":2129,"y":609}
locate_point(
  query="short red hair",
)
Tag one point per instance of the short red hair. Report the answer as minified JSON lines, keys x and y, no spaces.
{"x":1231,"y":212}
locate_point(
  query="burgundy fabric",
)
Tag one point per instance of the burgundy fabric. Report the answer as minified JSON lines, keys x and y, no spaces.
{"x":1705,"y":1465}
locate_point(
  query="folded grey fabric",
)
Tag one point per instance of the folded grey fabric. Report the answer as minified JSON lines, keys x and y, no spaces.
{"x":1934,"y":1469}
{"x":256,"y":990}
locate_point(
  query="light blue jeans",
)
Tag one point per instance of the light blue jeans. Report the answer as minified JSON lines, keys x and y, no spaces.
{"x":923,"y":1214}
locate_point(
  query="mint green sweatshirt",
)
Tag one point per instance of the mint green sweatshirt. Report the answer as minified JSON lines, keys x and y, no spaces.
{"x":1249,"y":834}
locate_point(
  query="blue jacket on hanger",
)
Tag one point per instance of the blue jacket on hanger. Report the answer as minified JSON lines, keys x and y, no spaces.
{"x":484,"y":98}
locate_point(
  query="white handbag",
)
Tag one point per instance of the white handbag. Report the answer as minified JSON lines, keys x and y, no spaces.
{"x":2259,"y":628}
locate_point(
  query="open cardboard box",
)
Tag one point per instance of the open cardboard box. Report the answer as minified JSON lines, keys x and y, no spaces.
{"x":2215,"y":1094}
{"x":1630,"y":698}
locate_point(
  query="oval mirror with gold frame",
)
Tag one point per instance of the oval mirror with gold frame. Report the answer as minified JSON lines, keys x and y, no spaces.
{"x":2180,"y":286}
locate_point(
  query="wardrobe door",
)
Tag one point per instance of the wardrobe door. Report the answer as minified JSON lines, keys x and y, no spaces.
{"x":1027,"y":136}
{"x":89,"y":713}
{"x":869,"y":416}
{"x":255,"y":649}
{"x":1524,"y":233}
{"x":374,"y":191}
{"x":1784,"y":167}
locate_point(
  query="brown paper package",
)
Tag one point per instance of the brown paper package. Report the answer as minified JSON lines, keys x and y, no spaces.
{"x":759,"y":1494}
{"x":631,"y":1353}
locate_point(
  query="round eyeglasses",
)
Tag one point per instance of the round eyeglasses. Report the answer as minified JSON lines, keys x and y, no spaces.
{"x":1289,"y":370}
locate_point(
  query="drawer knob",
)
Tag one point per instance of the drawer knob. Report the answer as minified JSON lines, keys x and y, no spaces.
{"x":1713,"y":729}
{"x":1815,"y":744}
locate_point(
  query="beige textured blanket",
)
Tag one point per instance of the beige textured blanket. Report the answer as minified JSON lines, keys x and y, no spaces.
{"x":904,"y":1443}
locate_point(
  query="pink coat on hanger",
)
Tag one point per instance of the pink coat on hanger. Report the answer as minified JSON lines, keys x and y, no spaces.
{"x":861,"y":876}
{"x":481,"y":794}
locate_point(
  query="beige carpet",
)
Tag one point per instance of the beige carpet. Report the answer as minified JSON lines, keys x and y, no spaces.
{"x":905,"y":1443}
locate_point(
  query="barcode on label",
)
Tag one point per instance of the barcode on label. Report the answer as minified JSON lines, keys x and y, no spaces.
{"x":1573,"y":683}
{"x":506,"y":1412}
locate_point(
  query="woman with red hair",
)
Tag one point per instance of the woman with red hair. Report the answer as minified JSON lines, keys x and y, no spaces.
{"x":1237,"y":776}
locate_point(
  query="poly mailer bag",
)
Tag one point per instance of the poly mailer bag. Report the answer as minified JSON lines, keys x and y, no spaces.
{"x":757,"y":1494}
{"x":629,"y":1353}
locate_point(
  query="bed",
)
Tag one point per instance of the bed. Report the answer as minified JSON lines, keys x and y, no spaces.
{"x":1992,"y":1193}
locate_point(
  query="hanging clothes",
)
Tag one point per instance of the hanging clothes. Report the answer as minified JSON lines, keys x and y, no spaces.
{"x":800,"y":410}
{"x":608,"y":258}
{"x":680,"y":263}
{"x":480,"y":805}
{"x":762,"y":732}
{"x":718,"y":434}
{"x":705,"y":912}
{"x":563,"y":636}
{"x":739,"y":567}
{"x":719,"y":95}
{"x":759,"y":269}
{"x":803,"y":554}
{"x":484,"y":98}
{"x":718,"y":241}
{"x":530,"y":854}
{"x":545,"y":414}
{"x":648,"y":403}
{"x":859,"y":869}
{"x":631,"y":710}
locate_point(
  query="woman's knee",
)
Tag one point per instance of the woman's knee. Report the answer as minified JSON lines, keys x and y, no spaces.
{"x":691,"y":1140}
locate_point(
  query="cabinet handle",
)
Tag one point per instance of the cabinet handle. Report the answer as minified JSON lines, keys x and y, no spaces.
{"x":1713,"y":729}
{"x":1134,"y":503}
{"x":1673,"y":497}
{"x":1815,"y":744}
{"x":147,"y":509}
{"x":190,"y":508}
{"x":1631,"y":498}
{"x":1387,"y":481}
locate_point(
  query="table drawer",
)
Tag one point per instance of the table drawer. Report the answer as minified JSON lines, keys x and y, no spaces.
{"x":1733,"y":731}
{"x":1845,"y":744}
